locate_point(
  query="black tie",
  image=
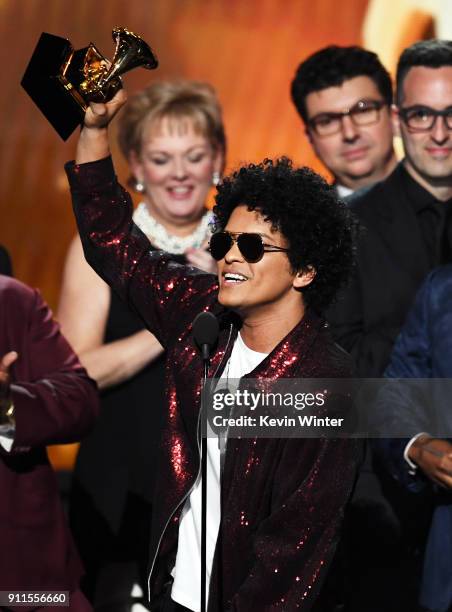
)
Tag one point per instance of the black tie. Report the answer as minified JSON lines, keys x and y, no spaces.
{"x":446,"y":233}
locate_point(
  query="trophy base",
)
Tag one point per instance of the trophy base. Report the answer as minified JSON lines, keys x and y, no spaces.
{"x":61,"y":81}
{"x":41,"y":83}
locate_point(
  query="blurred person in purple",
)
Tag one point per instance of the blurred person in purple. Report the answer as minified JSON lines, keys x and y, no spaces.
{"x":46,"y":398}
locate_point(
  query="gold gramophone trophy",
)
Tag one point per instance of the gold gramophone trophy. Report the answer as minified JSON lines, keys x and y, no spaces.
{"x":63,"y":81}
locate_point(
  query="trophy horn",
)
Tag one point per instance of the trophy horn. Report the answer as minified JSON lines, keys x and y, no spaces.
{"x":131,"y":52}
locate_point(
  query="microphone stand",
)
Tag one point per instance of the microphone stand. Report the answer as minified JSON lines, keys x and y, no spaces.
{"x":205,"y":333}
{"x":205,"y":357}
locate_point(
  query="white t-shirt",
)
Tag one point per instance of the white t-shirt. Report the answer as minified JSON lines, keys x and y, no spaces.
{"x":7,"y":433}
{"x":186,"y":588}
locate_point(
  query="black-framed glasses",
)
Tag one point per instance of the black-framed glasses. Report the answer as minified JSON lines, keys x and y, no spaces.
{"x":423,"y":118}
{"x":364,"y":112}
{"x":251,"y":245}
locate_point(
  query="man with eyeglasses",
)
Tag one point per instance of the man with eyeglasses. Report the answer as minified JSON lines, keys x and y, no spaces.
{"x":406,"y":216}
{"x":274,"y":506}
{"x":406,"y":232}
{"x":343,"y":95}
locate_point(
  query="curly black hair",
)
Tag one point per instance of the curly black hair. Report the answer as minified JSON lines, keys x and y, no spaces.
{"x":300,"y":204}
{"x":431,"y":53}
{"x":333,"y":65}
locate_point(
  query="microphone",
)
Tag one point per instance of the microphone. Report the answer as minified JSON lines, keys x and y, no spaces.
{"x":205,"y":332}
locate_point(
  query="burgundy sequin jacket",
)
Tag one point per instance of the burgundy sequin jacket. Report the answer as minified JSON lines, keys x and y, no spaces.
{"x":283,"y":499}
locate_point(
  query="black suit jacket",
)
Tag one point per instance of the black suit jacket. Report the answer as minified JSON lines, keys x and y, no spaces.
{"x":392,"y":261}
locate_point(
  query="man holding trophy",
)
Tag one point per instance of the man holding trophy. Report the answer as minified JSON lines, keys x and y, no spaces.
{"x":275,"y":557}
{"x":274,"y":505}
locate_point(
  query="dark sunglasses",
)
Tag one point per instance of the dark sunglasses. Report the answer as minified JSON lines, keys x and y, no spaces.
{"x":250,"y":245}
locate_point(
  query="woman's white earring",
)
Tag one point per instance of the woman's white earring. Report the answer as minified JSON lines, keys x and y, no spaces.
{"x":139,"y":186}
{"x":216,"y":178}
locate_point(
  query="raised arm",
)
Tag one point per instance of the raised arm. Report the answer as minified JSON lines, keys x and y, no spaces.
{"x":84,"y":292}
{"x":157,"y":289}
{"x":93,"y":143}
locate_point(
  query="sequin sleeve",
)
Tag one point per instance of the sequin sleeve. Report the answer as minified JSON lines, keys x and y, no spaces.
{"x":162,"y":292}
{"x":294,"y":545}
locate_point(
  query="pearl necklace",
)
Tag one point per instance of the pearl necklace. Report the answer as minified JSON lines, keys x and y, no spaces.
{"x":160,"y":237}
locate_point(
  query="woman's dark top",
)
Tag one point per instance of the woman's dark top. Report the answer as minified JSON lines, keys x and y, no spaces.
{"x":5,"y":262}
{"x":119,"y":456}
